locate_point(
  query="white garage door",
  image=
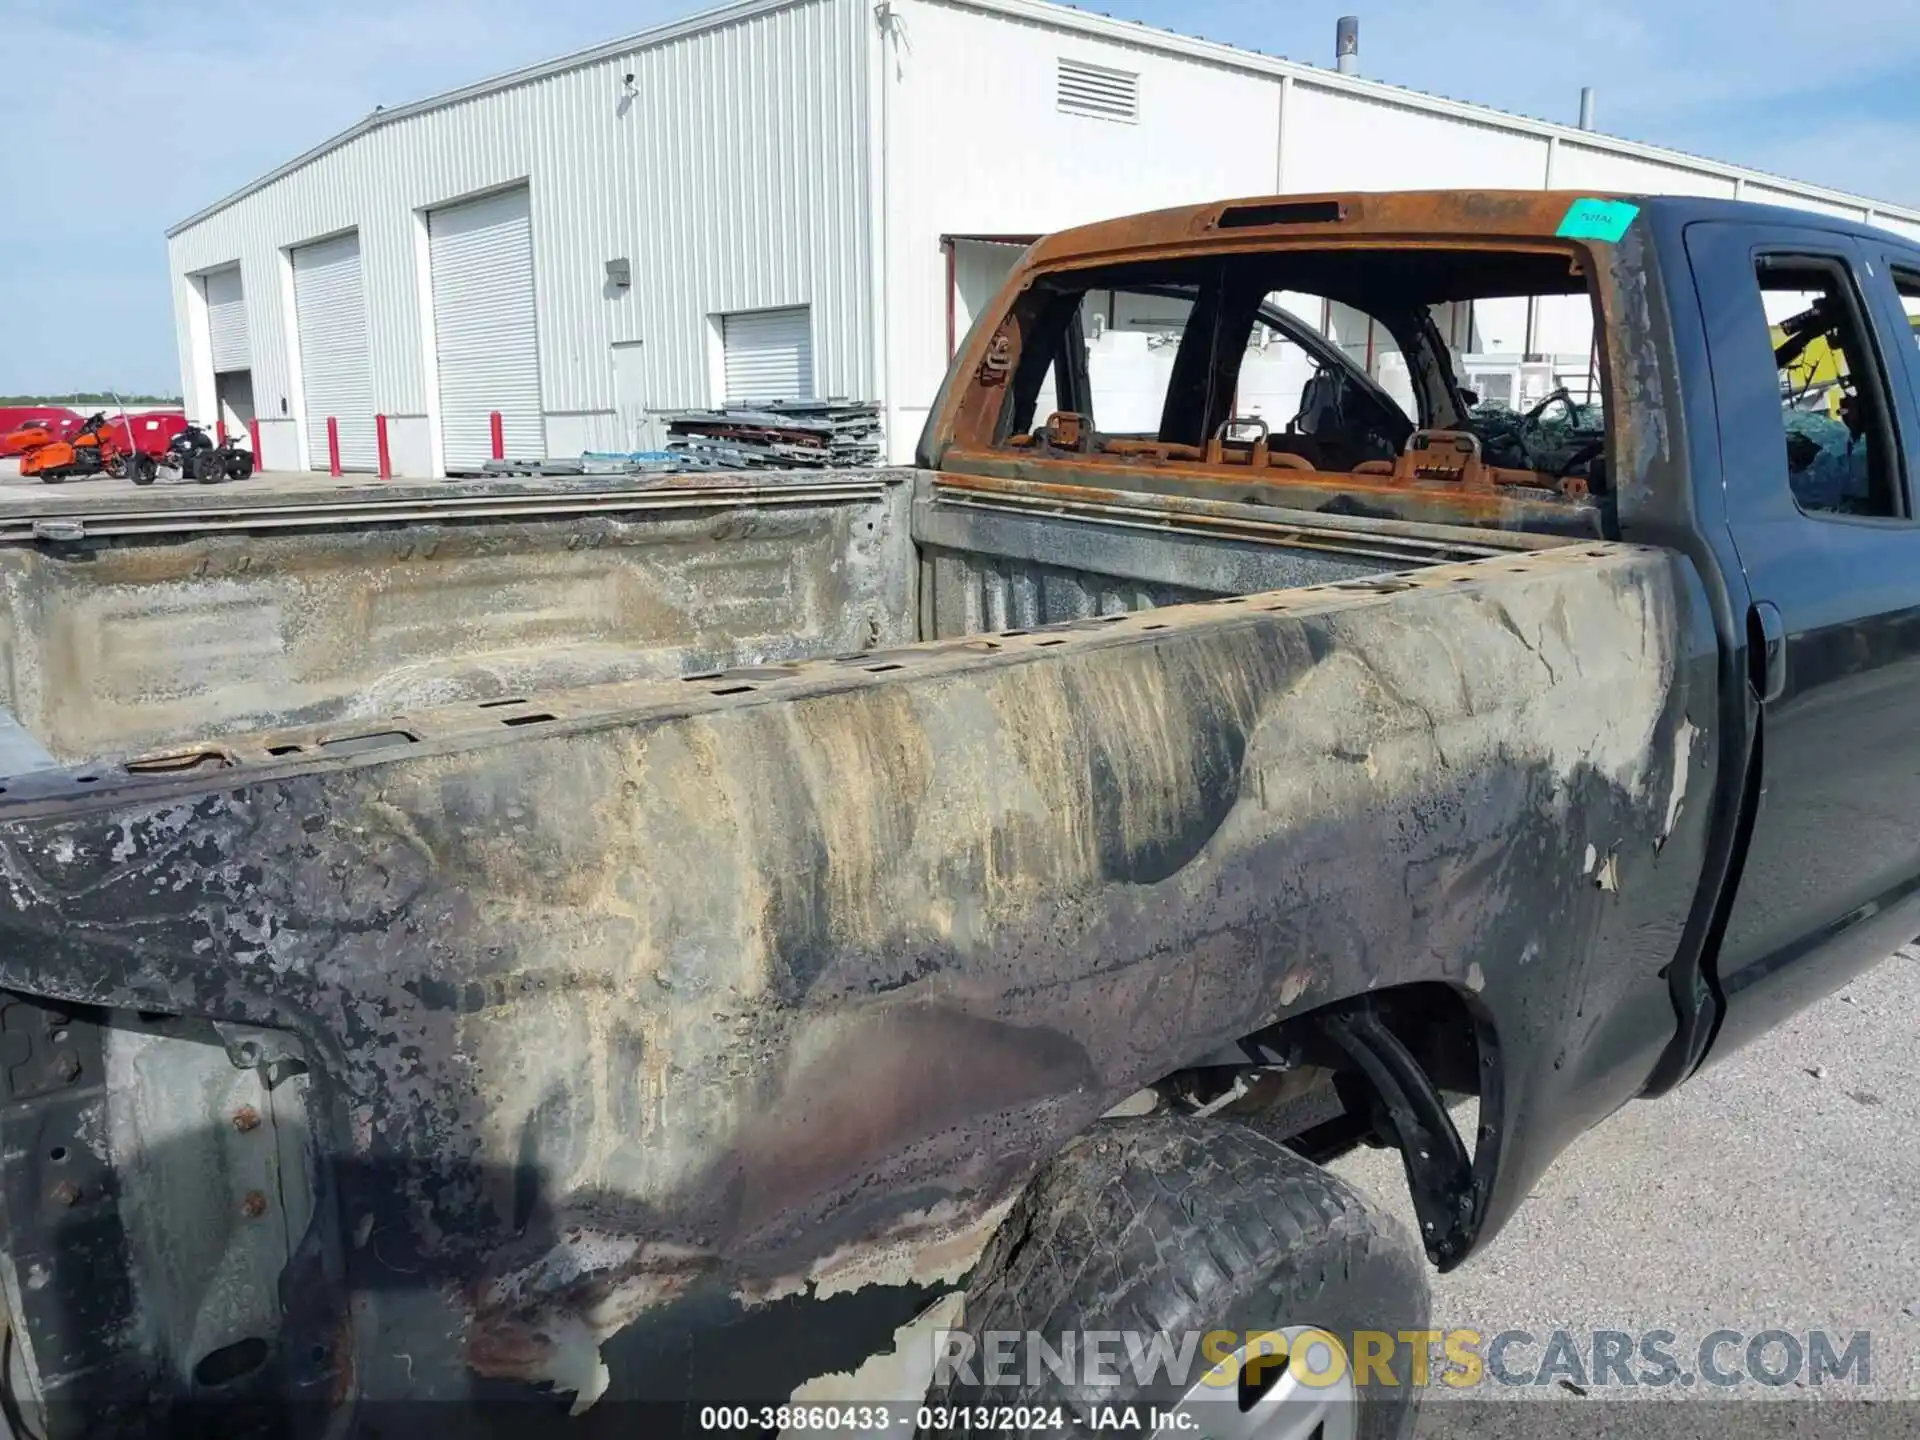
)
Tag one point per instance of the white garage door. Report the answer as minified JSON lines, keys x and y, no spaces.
{"x":227,"y":320}
{"x":483,"y":329}
{"x":336,"y":370}
{"x":768,"y":355}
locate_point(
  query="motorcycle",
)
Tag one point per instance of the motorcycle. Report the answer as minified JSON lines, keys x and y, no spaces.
{"x":99,"y":447}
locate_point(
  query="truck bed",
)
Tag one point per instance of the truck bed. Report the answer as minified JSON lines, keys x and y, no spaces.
{"x":557,"y":873}
{"x":181,"y":618}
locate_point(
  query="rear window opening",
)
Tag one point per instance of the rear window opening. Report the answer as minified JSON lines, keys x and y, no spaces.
{"x":1837,"y":434}
{"x":1368,"y":370}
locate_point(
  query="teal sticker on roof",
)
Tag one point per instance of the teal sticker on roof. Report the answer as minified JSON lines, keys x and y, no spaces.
{"x":1597,"y":220}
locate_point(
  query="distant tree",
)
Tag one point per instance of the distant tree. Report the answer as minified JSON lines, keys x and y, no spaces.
{"x":90,"y":398}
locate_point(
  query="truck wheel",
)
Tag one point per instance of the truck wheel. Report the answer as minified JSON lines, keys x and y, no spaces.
{"x":1187,"y":1228}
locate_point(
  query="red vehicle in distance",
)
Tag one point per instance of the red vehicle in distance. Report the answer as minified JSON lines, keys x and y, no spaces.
{"x":152,"y":431}
{"x":23,"y":427}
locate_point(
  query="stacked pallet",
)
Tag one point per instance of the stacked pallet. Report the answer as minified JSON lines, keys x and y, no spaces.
{"x":778,"y":435}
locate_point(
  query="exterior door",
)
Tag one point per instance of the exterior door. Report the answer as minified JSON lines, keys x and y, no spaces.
{"x":486,"y":340}
{"x":227,"y":321}
{"x":1817,"y":436}
{"x":336,"y":362}
{"x":630,"y":395}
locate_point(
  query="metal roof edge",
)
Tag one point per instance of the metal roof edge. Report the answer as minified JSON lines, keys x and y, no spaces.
{"x":1133,"y":32}
{"x":712,"y":19}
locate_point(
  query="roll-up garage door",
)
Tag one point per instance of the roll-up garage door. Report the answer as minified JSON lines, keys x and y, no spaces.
{"x":227,"y":320}
{"x":483,"y":329}
{"x":336,"y":369}
{"x":768,"y":354}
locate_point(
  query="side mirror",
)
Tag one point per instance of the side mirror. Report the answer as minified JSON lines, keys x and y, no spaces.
{"x":1471,"y":398}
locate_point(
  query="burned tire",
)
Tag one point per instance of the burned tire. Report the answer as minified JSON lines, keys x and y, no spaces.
{"x":1183,"y":1228}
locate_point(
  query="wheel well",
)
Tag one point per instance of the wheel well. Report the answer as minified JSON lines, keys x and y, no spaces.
{"x":1378,"y":1069}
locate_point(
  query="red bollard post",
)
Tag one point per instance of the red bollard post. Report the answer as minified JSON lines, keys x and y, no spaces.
{"x":499,"y":436}
{"x":380,"y":439}
{"x":333,"y":446}
{"x":253,"y":434}
{"x":220,"y":432}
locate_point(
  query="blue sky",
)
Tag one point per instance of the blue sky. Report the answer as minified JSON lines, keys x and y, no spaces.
{"x":164,"y":105}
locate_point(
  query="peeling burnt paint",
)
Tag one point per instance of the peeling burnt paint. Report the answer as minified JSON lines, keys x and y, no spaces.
{"x":1639,"y":398}
{"x":799,"y":987}
{"x":962,"y":433}
{"x":122,"y":643}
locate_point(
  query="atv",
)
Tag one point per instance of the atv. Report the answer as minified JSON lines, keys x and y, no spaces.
{"x":193,"y":453}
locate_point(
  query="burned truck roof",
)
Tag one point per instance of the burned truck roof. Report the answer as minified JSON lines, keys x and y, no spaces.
{"x":1413,"y":217}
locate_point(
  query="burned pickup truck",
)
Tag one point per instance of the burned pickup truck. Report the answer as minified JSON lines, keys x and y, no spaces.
{"x":596,"y":943}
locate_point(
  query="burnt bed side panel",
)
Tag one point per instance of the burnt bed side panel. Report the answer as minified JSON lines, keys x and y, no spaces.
{"x":798,"y":988}
{"x":112,"y":645}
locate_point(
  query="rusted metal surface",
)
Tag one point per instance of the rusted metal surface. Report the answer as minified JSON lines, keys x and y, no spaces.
{"x":121,"y":645}
{"x":674,"y":964}
{"x":288,"y":493}
{"x":1370,"y":496}
{"x":1257,"y":510}
{"x":961,"y":432}
{"x":1465,"y":218}
{"x":793,"y":982}
{"x":995,"y":555}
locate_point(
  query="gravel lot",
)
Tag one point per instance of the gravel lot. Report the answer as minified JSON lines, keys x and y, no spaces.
{"x":1779,"y":1190}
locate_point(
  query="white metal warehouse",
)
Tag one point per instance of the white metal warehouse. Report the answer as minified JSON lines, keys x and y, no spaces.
{"x":778,"y":198}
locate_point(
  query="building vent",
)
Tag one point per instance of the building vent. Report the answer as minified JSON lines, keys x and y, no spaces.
{"x":1096,"y":91}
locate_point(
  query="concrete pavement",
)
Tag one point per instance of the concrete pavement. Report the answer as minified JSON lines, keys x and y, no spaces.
{"x":1779,"y":1190}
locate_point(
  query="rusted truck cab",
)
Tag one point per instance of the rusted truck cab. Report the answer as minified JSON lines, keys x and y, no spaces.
{"x":627,"y":947}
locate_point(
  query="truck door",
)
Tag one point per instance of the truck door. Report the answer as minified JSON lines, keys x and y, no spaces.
{"x":1817,"y":436}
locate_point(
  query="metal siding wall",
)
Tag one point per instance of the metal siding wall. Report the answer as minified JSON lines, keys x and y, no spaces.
{"x":485,"y":336}
{"x":975,"y":144}
{"x":1342,"y":142}
{"x":227,"y":319}
{"x":331,"y":303}
{"x":734,"y":179}
{"x":1002,"y":161}
{"x":1771,"y":195}
{"x":1582,"y":167}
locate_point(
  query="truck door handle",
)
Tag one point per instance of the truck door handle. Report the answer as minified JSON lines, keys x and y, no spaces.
{"x":1766,"y":651}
